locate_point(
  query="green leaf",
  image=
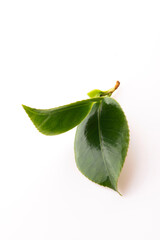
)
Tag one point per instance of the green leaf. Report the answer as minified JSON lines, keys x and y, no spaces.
{"x":61,"y":119}
{"x":94,"y":93}
{"x":101,"y":143}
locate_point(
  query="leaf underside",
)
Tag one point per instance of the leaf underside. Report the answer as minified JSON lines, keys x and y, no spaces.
{"x":101,"y":143}
{"x":61,"y":119}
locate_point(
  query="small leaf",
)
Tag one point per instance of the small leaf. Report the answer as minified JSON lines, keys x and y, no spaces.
{"x":94,"y":93}
{"x":101,"y":143}
{"x":61,"y":119}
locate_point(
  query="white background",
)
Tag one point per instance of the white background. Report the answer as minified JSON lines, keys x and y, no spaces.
{"x":52,"y":53}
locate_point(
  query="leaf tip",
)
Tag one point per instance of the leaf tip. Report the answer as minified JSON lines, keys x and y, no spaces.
{"x":119,"y":193}
{"x":25,"y":107}
{"x":28,"y":110}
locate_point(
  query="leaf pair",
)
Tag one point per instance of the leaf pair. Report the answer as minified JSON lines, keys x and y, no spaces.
{"x":102,"y":137}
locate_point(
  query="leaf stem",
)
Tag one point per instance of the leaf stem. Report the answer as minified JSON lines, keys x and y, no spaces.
{"x":111,"y":90}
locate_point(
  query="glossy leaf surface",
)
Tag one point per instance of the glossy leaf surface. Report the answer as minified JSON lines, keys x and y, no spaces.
{"x":61,"y":119}
{"x":101,"y":143}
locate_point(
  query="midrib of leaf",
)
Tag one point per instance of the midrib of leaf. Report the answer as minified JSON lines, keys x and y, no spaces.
{"x":100,"y":140}
{"x":44,"y":121}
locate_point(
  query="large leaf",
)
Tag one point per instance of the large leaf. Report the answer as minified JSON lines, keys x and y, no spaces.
{"x":101,"y":143}
{"x":61,"y":119}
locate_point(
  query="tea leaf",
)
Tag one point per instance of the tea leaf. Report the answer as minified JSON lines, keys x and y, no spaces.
{"x":101,"y":143}
{"x":61,"y":119}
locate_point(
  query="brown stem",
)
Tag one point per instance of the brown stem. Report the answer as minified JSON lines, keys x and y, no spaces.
{"x":117,"y":85}
{"x":110,"y":91}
